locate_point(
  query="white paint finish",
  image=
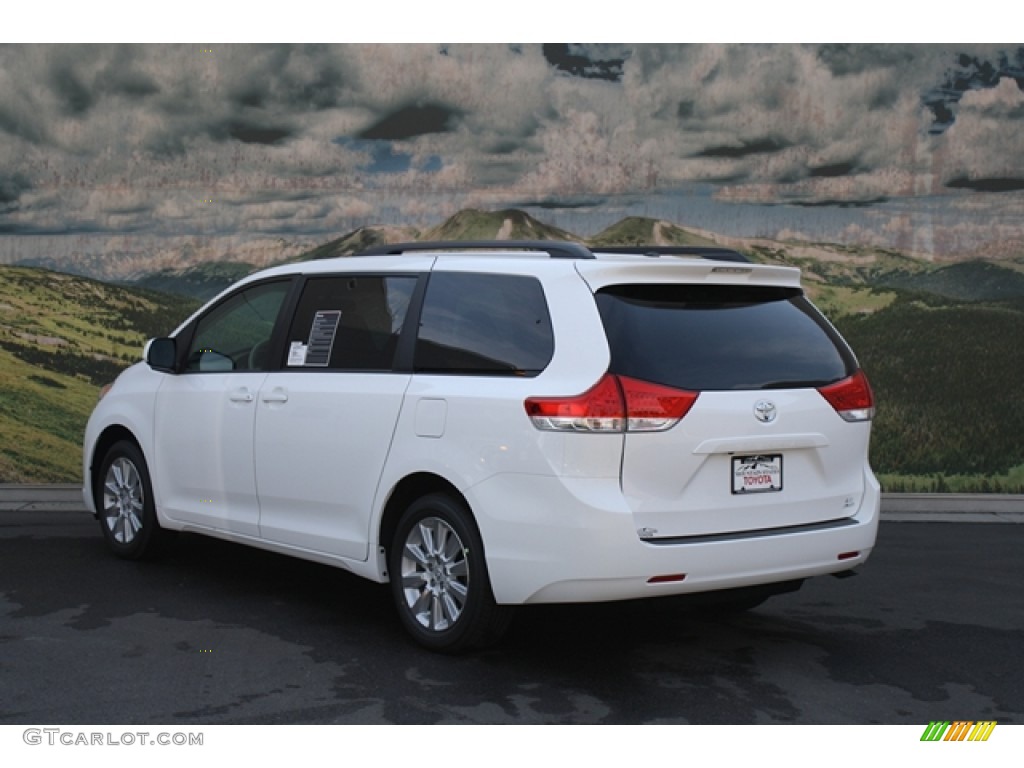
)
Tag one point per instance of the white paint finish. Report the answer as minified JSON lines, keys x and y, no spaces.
{"x":431,"y":414}
{"x":321,"y":441}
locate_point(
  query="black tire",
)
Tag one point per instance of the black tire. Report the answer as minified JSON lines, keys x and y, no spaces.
{"x":124,"y":504}
{"x":439,"y":578}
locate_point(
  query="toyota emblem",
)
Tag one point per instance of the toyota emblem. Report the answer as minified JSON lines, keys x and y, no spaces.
{"x":765,"y":411}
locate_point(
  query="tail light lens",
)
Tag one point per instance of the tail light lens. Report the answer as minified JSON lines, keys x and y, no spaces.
{"x":851,"y":397}
{"x":653,"y":407}
{"x":614,"y":404}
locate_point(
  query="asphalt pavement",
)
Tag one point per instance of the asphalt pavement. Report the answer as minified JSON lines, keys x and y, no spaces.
{"x":215,"y":633}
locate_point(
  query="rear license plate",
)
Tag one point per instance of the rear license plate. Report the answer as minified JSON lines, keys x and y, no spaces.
{"x":757,"y":474}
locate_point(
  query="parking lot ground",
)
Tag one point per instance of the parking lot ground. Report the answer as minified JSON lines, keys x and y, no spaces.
{"x":929,"y":629}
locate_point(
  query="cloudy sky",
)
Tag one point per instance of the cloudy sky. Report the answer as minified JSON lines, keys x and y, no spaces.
{"x":130,"y":149}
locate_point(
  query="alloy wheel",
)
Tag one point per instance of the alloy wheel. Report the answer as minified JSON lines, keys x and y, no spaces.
{"x":123,"y":500}
{"x":435,"y":574}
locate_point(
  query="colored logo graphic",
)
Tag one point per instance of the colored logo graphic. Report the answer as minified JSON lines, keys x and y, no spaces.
{"x":958,"y":730}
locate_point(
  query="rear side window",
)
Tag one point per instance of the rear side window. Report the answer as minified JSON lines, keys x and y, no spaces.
{"x":490,"y":325}
{"x":349,"y":323}
{"x":721,"y":337}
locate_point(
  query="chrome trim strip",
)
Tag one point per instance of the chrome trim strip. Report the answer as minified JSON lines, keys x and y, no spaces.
{"x":709,"y":538}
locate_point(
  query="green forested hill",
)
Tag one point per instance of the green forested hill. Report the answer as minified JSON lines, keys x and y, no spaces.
{"x":946,"y":377}
{"x":970,"y":281}
{"x":61,"y":339}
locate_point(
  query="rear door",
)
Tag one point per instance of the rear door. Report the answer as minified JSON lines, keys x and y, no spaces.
{"x":325,"y":420}
{"x":761,"y":448}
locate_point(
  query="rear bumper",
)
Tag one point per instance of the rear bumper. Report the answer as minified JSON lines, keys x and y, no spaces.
{"x":553,"y":540}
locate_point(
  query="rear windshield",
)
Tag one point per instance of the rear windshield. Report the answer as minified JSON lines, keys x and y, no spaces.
{"x":721,"y":337}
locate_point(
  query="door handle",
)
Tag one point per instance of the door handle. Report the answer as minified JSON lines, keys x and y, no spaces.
{"x":241,"y":395}
{"x":276,"y":395}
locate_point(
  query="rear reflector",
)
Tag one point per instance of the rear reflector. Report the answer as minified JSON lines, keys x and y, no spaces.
{"x":851,"y":397}
{"x":848,"y":555}
{"x":614,"y":404}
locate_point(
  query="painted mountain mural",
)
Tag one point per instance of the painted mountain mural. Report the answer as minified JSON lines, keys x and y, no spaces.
{"x":139,"y":180}
{"x":935,"y":340}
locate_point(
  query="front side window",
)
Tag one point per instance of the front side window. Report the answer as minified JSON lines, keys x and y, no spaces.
{"x":350,"y":322}
{"x":482,"y":324}
{"x":235,"y":335}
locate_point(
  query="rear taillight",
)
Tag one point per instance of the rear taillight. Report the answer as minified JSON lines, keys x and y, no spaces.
{"x":653,"y":407}
{"x":851,"y":397}
{"x":599,"y":409}
{"x":614,"y":404}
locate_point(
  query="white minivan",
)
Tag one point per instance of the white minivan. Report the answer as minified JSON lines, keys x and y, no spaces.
{"x":492,"y":424}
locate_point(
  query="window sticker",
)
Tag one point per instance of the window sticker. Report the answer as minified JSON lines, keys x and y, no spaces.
{"x":297,"y":353}
{"x":321,"y":337}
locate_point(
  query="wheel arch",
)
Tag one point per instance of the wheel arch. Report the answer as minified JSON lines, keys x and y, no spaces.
{"x":409,"y":489}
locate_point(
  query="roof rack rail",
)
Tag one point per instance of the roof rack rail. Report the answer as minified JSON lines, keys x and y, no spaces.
{"x":556,"y":249}
{"x":716,"y":254}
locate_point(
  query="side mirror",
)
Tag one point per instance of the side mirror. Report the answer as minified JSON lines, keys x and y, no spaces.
{"x":162,"y":355}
